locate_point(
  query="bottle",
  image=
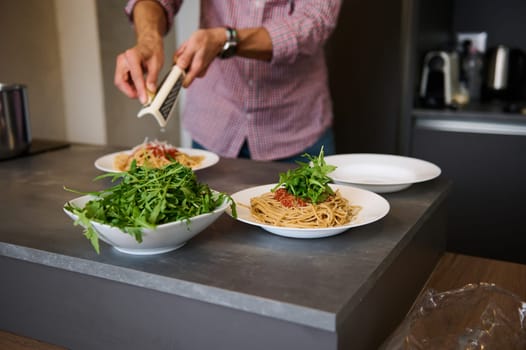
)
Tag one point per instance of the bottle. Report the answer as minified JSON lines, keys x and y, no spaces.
{"x":472,"y":68}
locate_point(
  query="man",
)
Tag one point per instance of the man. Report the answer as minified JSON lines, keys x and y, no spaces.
{"x":256,"y":75}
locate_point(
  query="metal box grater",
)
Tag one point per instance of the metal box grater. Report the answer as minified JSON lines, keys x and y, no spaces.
{"x":163,"y":103}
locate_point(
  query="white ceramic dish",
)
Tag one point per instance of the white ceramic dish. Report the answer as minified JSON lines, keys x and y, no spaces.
{"x":380,"y":173}
{"x":374,"y":207}
{"x":105,"y":163}
{"x":162,"y":239}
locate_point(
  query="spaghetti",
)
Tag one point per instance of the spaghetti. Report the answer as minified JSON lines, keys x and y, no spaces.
{"x":280,"y":208}
{"x":155,"y":154}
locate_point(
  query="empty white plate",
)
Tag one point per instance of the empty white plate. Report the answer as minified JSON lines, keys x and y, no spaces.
{"x":380,"y":173}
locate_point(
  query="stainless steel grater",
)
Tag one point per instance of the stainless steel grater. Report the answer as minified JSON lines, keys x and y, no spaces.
{"x":163,"y":103}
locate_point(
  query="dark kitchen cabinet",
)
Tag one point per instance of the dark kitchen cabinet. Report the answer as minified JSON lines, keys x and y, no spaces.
{"x":480,"y":148}
{"x":484,"y":156}
{"x":375,"y":61}
{"x":373,"y":58}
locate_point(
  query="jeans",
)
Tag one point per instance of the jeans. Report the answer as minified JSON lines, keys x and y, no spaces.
{"x":326,"y":140}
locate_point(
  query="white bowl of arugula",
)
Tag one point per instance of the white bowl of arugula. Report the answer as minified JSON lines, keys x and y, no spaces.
{"x":149,"y":211}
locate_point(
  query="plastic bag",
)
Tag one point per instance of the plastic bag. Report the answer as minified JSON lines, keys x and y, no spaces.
{"x":476,"y":316}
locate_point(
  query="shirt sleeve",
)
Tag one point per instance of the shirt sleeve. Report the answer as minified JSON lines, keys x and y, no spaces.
{"x":171,"y":7}
{"x":304,"y":31}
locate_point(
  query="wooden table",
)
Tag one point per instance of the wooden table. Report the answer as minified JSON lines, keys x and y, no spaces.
{"x":456,"y":270}
{"x":467,"y":311}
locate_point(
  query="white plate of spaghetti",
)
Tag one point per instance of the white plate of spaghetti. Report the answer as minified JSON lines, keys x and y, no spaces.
{"x":361,"y":207}
{"x":156,"y":154}
{"x":381,"y":173}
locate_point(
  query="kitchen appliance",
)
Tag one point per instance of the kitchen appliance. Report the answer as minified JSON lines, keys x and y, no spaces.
{"x":440,"y":79}
{"x":163,"y":103}
{"x":15,"y":130}
{"x":505,"y":74}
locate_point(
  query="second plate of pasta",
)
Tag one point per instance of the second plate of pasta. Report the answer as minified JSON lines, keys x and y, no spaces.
{"x":206,"y":159}
{"x":370,"y":207}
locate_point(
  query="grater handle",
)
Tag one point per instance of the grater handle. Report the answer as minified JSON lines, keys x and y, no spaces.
{"x":163,"y":103}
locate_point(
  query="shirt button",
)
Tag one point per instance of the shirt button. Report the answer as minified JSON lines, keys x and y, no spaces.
{"x":260,"y":3}
{"x":249,"y":116}
{"x":251,"y":82}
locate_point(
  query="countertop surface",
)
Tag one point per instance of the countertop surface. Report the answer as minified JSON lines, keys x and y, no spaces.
{"x":481,"y":113}
{"x":476,"y":119}
{"x":311,"y":282}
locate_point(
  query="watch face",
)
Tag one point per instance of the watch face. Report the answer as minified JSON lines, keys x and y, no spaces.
{"x":230,"y":46}
{"x":229,"y":50}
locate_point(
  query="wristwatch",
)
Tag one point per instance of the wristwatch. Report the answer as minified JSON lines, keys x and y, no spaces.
{"x":230,"y":46}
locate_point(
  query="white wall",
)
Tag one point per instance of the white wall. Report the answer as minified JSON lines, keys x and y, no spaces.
{"x":81,"y":71}
{"x":187,"y":21}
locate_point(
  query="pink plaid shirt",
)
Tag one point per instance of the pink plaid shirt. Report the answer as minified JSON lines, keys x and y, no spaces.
{"x":280,"y":107}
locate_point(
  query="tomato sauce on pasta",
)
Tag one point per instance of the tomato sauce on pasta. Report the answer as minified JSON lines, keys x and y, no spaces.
{"x":281,"y":208}
{"x":155,"y":154}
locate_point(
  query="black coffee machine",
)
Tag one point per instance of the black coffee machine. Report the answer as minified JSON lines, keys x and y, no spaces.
{"x":440,"y":79}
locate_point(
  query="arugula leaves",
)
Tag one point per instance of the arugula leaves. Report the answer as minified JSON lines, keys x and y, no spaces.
{"x":308,"y":182}
{"x":146,"y":197}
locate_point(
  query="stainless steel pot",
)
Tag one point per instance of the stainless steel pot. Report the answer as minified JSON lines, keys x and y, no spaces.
{"x":15,"y":128}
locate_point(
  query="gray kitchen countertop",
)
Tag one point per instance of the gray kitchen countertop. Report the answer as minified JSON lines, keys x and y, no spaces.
{"x":312,"y":282}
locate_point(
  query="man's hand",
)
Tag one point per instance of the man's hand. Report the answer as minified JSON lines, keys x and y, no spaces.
{"x":132,"y":66}
{"x":195,"y":55}
{"x":137,"y":69}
